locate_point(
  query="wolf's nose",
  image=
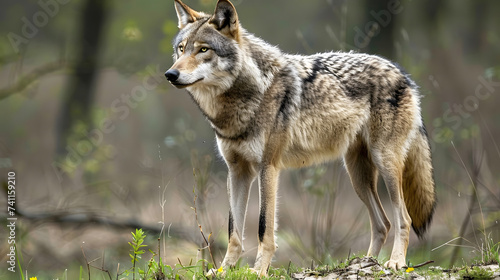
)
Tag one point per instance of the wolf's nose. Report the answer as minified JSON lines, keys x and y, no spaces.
{"x":172,"y":75}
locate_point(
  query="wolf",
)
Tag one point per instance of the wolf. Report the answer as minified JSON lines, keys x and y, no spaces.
{"x":271,"y":111}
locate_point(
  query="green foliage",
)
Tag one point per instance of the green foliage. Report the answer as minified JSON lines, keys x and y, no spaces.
{"x":155,"y":269}
{"x":476,"y":273}
{"x":489,"y":253}
{"x":158,"y":270}
{"x":494,"y":254}
{"x":136,"y":244}
{"x":19,"y":260}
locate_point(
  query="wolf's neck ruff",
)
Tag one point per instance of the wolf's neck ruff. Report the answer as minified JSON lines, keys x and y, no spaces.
{"x":232,"y":101}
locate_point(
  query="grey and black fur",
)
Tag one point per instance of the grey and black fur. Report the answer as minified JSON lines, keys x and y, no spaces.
{"x":272,"y":111}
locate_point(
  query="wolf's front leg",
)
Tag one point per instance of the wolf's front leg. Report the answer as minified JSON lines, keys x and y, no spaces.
{"x":268,"y":187}
{"x":240,"y":178}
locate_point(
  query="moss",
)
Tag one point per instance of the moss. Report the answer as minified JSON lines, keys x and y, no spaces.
{"x":475,"y":273}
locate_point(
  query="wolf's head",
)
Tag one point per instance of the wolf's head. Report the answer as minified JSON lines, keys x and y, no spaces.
{"x":206,"y":54}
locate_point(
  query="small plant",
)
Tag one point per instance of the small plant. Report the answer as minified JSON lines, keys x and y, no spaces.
{"x":476,"y":273}
{"x":491,"y":252}
{"x":136,"y":244}
{"x":379,"y":274}
{"x":159,"y":270}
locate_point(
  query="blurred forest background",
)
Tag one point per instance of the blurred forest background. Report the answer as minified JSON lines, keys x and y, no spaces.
{"x":102,"y":144}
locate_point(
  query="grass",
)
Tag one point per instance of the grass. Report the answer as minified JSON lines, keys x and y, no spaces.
{"x":150,"y":266}
{"x":155,"y":269}
{"x":476,"y":273}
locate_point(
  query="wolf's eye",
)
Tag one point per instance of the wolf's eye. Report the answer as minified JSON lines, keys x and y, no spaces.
{"x":203,"y":49}
{"x":181,"y":48}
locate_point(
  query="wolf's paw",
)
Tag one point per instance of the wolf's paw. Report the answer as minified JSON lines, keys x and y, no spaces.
{"x":395,"y":264}
{"x":259,"y":271}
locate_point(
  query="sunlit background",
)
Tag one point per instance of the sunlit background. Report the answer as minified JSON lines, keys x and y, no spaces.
{"x":101,"y":144}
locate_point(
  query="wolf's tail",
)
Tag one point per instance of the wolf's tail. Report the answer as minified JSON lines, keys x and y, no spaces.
{"x":418,"y":183}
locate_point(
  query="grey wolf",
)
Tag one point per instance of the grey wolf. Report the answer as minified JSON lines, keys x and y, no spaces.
{"x":270,"y":111}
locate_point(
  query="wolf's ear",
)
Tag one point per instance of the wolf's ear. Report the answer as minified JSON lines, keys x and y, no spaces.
{"x":225,"y":19}
{"x":185,"y":14}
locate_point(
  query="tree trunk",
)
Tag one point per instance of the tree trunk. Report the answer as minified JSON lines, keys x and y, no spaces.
{"x":77,"y":101}
{"x":380,"y":26}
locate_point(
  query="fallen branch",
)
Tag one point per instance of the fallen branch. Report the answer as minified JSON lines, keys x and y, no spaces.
{"x":82,"y":218}
{"x":31,"y":77}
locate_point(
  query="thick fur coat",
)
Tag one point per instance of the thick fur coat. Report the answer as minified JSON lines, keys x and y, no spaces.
{"x":272,"y":111}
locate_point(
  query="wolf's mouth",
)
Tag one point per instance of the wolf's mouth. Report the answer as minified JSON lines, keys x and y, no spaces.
{"x":181,"y":85}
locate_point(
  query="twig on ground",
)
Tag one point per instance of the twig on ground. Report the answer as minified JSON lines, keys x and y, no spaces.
{"x":199,"y":225}
{"x":422,"y":264}
{"x":117,"y":271}
{"x":86,"y":261}
{"x":472,"y":201}
{"x":89,"y":264}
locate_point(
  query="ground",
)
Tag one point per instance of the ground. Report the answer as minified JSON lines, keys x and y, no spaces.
{"x":369,"y":268}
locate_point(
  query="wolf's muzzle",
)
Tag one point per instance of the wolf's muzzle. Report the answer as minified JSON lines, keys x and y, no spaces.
{"x":172,"y":75}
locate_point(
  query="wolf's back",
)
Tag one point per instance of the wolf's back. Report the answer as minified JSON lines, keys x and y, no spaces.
{"x":418,"y":183}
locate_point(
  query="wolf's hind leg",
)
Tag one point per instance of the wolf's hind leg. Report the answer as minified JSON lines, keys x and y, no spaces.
{"x":239,"y":181}
{"x":363,"y":174}
{"x":390,"y":164}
